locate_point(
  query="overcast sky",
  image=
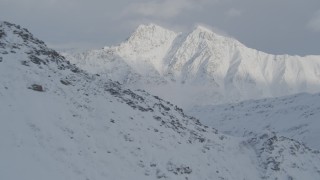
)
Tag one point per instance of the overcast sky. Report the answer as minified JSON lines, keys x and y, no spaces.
{"x":273,"y":26}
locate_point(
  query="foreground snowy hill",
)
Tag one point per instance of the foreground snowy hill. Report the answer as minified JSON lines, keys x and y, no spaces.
{"x":59,"y":122}
{"x":201,"y":65}
{"x":295,"y":116}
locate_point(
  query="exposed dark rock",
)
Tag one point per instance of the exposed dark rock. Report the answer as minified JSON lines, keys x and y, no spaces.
{"x":178,"y":169}
{"x":36,"y":60}
{"x":36,"y":87}
{"x":37,"y":50}
{"x":160,"y":174}
{"x":25,"y":63}
{"x":162,"y":107}
{"x":75,"y":69}
{"x":2,"y":33}
{"x":65,"y":82}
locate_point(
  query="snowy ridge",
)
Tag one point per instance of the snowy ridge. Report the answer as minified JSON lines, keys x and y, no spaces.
{"x":59,"y":122}
{"x":219,"y":69}
{"x":117,"y":69}
{"x":294,"y":116}
{"x":275,"y":157}
{"x":146,"y":47}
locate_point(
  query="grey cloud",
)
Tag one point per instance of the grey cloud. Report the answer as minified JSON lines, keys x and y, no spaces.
{"x":233,"y":12}
{"x":159,"y":9}
{"x":163,"y":9}
{"x":314,"y":23}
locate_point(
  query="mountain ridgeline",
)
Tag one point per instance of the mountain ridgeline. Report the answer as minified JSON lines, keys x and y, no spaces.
{"x":61,"y":122}
{"x":204,"y":66}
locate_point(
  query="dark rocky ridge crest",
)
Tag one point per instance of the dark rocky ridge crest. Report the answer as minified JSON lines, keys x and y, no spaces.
{"x":37,"y":50}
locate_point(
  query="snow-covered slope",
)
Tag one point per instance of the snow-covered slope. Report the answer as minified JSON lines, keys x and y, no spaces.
{"x":117,"y":69}
{"x":138,"y":60}
{"x":205,"y":67}
{"x":59,"y":122}
{"x":147,"y":45}
{"x":296,"y":116}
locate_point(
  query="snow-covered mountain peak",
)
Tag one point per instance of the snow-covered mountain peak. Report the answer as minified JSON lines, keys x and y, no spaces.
{"x":222,"y":67}
{"x":146,"y":48}
{"x":204,"y":33}
{"x":201,"y":30}
{"x":202,"y":40}
{"x":151,"y":27}
{"x":151,"y":34}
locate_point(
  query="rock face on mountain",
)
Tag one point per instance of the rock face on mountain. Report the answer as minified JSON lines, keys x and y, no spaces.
{"x":205,"y":67}
{"x":60,"y":122}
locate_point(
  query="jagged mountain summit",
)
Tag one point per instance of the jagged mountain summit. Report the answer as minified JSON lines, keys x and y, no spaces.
{"x":202,"y":65}
{"x":60,"y":122}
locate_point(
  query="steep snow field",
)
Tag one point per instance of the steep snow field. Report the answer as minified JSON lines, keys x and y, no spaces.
{"x":60,"y":122}
{"x":205,"y":67}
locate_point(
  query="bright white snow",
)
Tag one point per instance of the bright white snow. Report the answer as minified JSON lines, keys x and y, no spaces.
{"x":205,"y":67}
{"x":59,"y":122}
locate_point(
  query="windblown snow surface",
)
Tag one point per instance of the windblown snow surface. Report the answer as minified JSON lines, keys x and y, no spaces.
{"x":60,"y":122}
